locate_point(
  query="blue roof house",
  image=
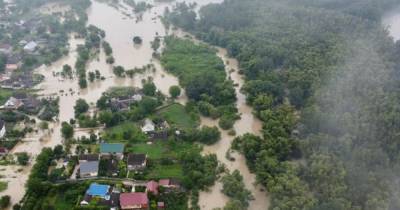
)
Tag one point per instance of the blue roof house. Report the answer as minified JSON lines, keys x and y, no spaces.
{"x":107,"y":149}
{"x":96,"y":190}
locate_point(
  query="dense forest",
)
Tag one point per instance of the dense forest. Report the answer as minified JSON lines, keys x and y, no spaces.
{"x":323,"y":76}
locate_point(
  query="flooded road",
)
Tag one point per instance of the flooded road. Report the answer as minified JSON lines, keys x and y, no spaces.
{"x":120,"y":26}
{"x":392,"y":20}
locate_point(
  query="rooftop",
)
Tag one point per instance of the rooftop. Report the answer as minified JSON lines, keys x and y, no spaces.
{"x":98,"y":190}
{"x":130,"y":199}
{"x":89,"y":167}
{"x":136,"y":159}
{"x":111,"y":148}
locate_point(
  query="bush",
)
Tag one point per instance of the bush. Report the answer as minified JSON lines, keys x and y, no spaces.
{"x":5,"y":201}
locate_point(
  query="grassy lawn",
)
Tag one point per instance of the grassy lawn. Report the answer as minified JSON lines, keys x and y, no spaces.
{"x":165,"y":171}
{"x":176,"y":115}
{"x":3,"y":186}
{"x":4,"y":95}
{"x":127,"y":131}
{"x":154,"y":151}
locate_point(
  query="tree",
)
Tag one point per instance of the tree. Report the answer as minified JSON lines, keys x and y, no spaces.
{"x":92,"y":76}
{"x":58,"y":151}
{"x":119,"y":71}
{"x":5,"y":201}
{"x":148,"y":105}
{"x":233,"y":187}
{"x":149,"y":88}
{"x":174,"y":91}
{"x":137,"y":40}
{"x":67,"y":130}
{"x":208,"y":135}
{"x":23,"y":158}
{"x":81,"y":106}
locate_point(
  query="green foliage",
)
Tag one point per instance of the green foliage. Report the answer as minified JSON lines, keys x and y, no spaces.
{"x":178,"y":116}
{"x":149,"y":88}
{"x":3,"y":186}
{"x":174,"y":91}
{"x":334,"y":63}
{"x":23,"y":158}
{"x":81,"y":106}
{"x":67,"y":130}
{"x":137,"y":40}
{"x":199,"y":70}
{"x":119,"y":71}
{"x":200,"y":171}
{"x":5,"y":201}
{"x":233,"y":187}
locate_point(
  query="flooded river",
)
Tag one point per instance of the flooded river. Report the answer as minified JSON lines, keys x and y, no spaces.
{"x":121,"y":26}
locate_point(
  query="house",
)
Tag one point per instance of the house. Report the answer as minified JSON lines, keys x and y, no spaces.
{"x":88,"y":158}
{"x":152,"y":187}
{"x":5,"y":48}
{"x":104,"y":195}
{"x":169,"y":183}
{"x":99,"y":190}
{"x":30,"y":47}
{"x":107,"y":149}
{"x":136,"y":162}
{"x":148,"y":126}
{"x":89,"y":169}
{"x":13,"y":103}
{"x":2,"y":128}
{"x":135,"y":200}
{"x":10,"y":68}
{"x":124,"y":104}
{"x":3,"y":151}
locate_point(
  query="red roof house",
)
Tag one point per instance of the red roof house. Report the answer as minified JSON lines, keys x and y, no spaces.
{"x":136,"y":200}
{"x":152,"y":187}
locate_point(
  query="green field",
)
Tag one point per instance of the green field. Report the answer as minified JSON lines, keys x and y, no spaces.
{"x":153,"y":151}
{"x":127,"y":131}
{"x":165,"y":171}
{"x":3,"y":186}
{"x":176,"y":115}
{"x":4,"y":95}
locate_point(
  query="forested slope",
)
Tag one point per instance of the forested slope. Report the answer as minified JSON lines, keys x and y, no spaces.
{"x":323,"y":76}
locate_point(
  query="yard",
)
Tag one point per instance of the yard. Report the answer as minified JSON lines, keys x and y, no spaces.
{"x":153,"y":151}
{"x":127,"y":131}
{"x":4,"y":95}
{"x":176,"y":115}
{"x":165,"y":171}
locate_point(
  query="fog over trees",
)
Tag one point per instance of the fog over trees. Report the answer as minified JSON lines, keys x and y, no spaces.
{"x":323,"y":77}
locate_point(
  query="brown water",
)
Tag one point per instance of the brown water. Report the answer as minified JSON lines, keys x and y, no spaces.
{"x":392,"y":20}
{"x":120,"y":26}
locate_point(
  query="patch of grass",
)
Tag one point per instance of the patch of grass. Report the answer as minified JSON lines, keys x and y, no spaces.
{"x":177,"y":115}
{"x":4,"y":95}
{"x":153,"y":151}
{"x":127,"y":131}
{"x":165,"y":171}
{"x":3,"y":186}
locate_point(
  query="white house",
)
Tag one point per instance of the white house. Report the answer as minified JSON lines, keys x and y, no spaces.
{"x":13,"y":103}
{"x":148,"y":126}
{"x":30,"y":47}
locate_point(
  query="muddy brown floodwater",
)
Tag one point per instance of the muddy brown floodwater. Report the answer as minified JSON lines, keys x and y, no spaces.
{"x":121,"y":26}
